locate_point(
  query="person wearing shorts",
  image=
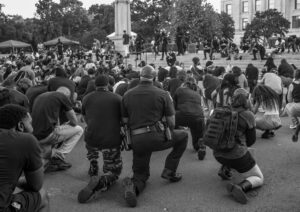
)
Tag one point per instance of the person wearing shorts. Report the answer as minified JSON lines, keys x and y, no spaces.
{"x":268,"y":99}
{"x":239,"y":158}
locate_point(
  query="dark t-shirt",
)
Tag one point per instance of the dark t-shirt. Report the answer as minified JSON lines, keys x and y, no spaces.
{"x":121,"y":89}
{"x":81,"y":88}
{"x":18,"y":98}
{"x":146,"y":104}
{"x":286,"y":70}
{"x":18,"y":152}
{"x":60,"y":47}
{"x":251,"y":73}
{"x":126,"y":39}
{"x":296,"y":92}
{"x":46,"y":111}
{"x":173,"y":85}
{"x":33,"y":92}
{"x":102,"y":111}
{"x":135,"y":82}
{"x":188,"y":102}
{"x":210,"y":83}
{"x":58,"y":82}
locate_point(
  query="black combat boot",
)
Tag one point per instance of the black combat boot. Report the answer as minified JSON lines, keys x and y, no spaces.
{"x":266,"y":134}
{"x":129,"y":192}
{"x":238,"y":191}
{"x":87,"y":192}
{"x":225,"y":173}
{"x":96,"y":184}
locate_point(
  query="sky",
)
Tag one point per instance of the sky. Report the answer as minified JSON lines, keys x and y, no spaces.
{"x":26,"y":8}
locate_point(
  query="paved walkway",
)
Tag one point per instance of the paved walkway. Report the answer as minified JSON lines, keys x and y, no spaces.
{"x":200,"y":190}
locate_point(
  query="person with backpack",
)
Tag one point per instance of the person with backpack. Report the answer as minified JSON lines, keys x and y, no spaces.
{"x":230,"y":131}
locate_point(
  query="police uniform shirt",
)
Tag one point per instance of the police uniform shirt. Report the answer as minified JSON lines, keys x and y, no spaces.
{"x":146,"y":104}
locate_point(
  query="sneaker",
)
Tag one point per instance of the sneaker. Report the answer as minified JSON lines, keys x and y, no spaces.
{"x":295,"y":138}
{"x":265,"y":135}
{"x":57,"y":164}
{"x":293,"y":126}
{"x":271,"y":134}
{"x":201,"y":153}
{"x":171,"y":176}
{"x":237,"y":193}
{"x":86,"y":193}
{"x":129,"y":192}
{"x":225,"y":173}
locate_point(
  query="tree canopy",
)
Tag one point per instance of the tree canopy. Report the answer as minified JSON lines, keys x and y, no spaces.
{"x":266,"y":24}
{"x":227,"y":25}
{"x":69,"y":18}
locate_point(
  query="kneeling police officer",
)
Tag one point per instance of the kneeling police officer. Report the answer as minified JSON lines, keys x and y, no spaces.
{"x":149,"y":114}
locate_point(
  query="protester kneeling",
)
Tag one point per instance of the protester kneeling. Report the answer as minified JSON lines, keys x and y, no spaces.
{"x":231,"y":149}
{"x":102,"y":112}
{"x":20,"y":153}
{"x":57,"y":140}
{"x":267,"y":98}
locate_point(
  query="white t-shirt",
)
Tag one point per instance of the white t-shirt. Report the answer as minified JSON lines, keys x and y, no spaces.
{"x":90,"y":65}
{"x":273,"y":111}
{"x":273,"y":81}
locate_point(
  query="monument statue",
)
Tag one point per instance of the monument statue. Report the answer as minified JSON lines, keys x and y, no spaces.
{"x":122,"y":23}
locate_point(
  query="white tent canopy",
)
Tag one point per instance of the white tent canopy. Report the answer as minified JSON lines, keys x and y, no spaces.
{"x":133,"y":34}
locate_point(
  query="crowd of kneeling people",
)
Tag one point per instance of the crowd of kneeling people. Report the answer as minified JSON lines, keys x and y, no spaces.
{"x":39,"y":123}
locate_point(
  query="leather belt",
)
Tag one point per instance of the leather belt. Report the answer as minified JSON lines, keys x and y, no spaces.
{"x":143,"y":130}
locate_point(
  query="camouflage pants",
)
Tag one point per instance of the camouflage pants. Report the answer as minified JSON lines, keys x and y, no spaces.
{"x":112,"y":164}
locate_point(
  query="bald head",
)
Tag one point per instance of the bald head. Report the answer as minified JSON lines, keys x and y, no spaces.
{"x":65,"y":91}
{"x":147,"y":73}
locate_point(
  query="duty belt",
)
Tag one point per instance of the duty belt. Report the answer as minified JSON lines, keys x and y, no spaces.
{"x":143,"y":130}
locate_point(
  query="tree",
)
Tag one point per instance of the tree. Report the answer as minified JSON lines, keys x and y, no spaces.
{"x":227,"y":27}
{"x":266,"y":24}
{"x":48,"y":12}
{"x":199,"y":18}
{"x":103,"y":17}
{"x":148,"y":15}
{"x":74,"y":17}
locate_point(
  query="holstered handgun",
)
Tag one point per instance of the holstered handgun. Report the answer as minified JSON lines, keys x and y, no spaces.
{"x":168,"y":133}
{"x":126,"y":138}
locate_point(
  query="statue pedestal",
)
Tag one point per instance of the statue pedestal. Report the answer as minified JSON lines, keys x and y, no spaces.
{"x":122,"y":22}
{"x":118,"y":41}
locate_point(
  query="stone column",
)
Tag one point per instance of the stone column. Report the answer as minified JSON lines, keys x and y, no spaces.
{"x":122,"y":22}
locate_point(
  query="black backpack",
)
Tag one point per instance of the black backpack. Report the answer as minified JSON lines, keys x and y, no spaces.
{"x":221,"y":129}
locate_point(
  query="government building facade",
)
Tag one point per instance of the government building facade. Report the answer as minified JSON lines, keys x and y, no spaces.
{"x":243,"y":11}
